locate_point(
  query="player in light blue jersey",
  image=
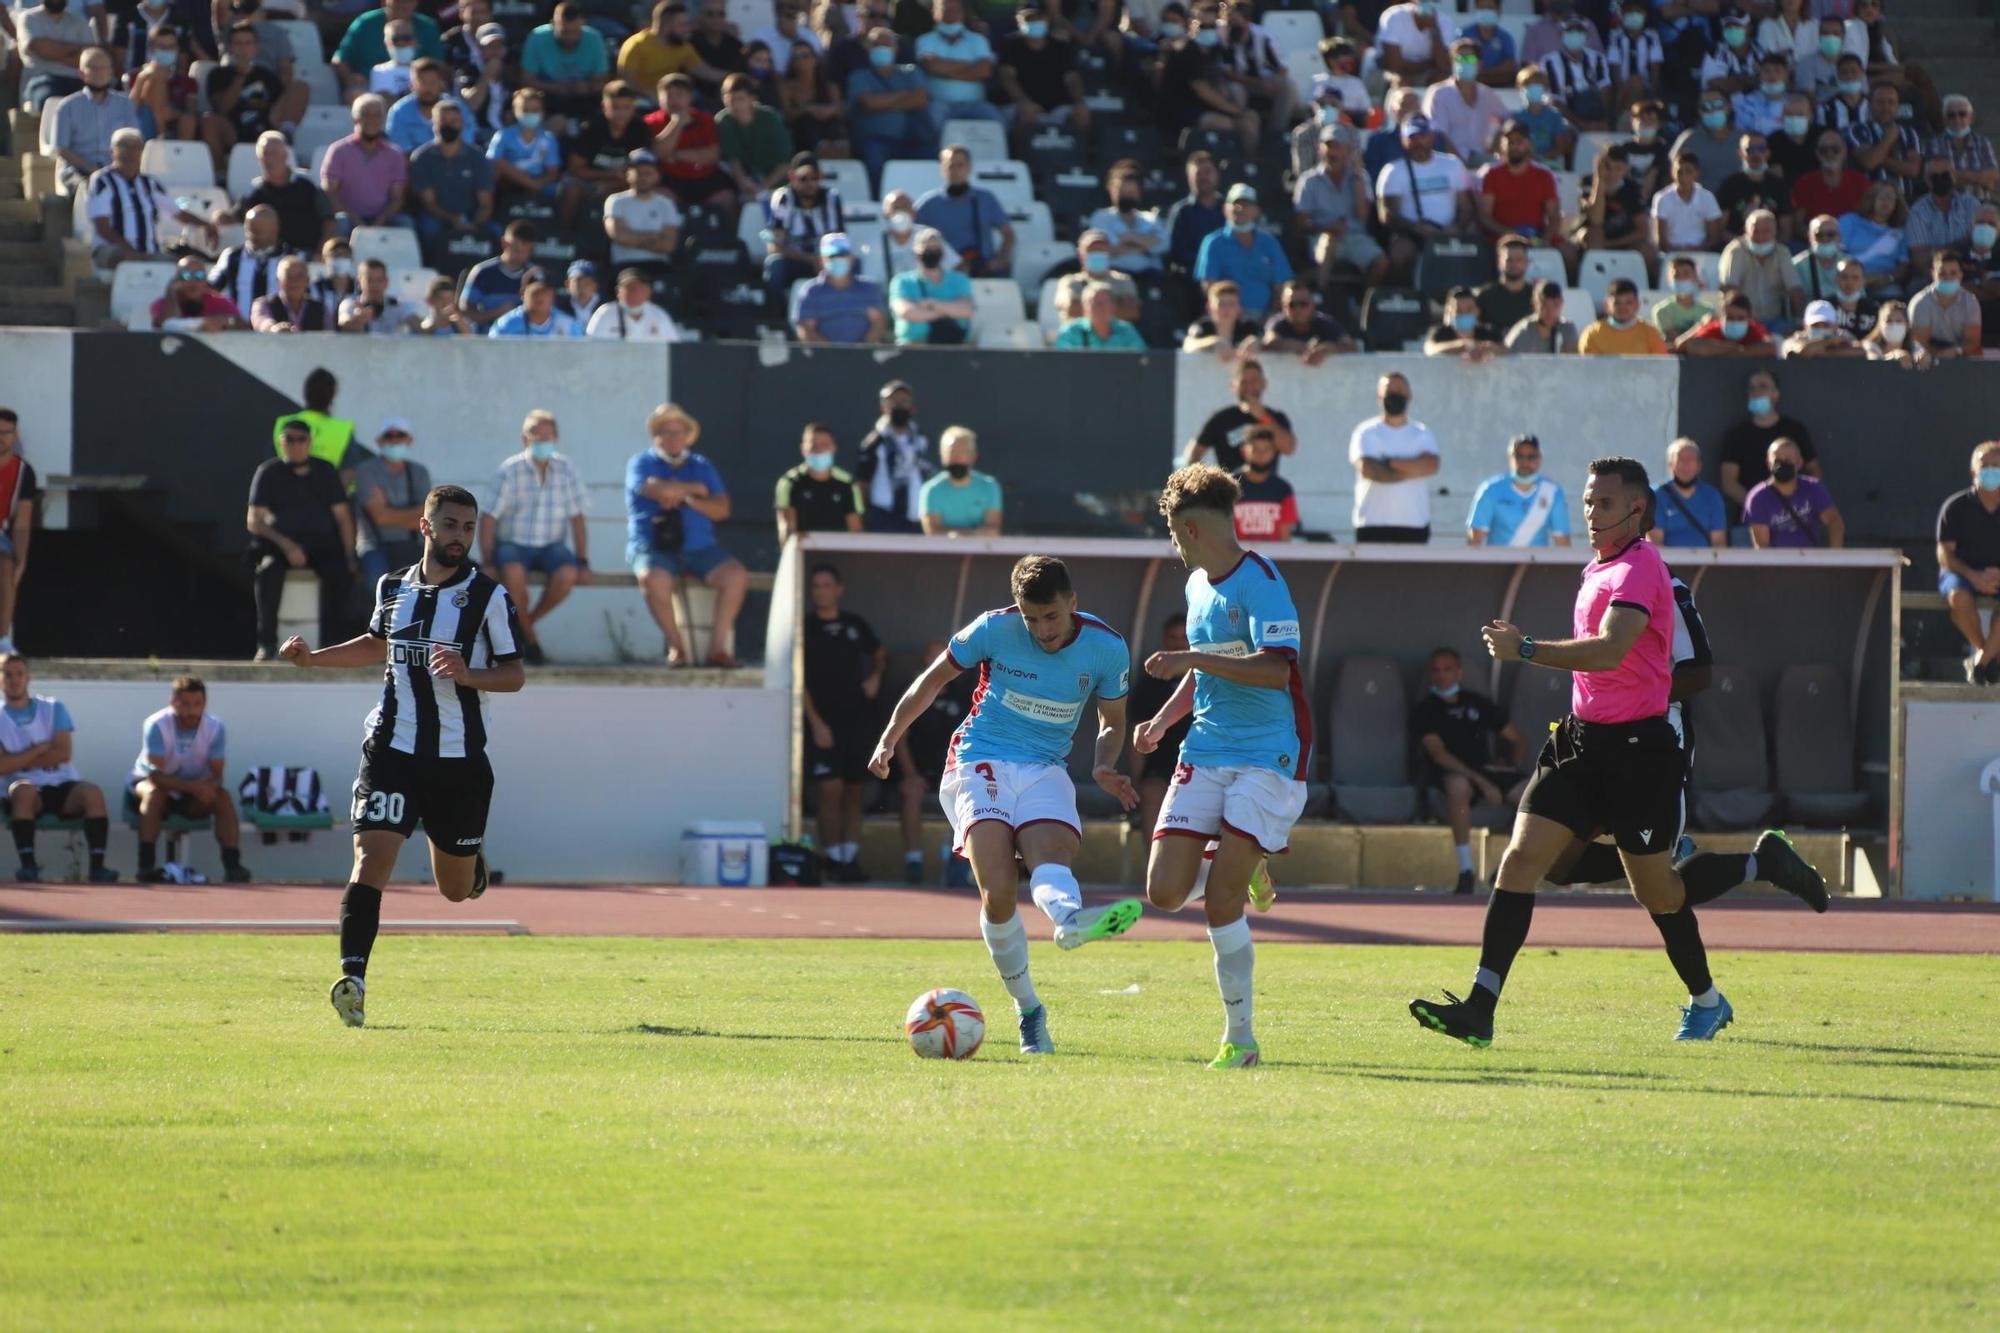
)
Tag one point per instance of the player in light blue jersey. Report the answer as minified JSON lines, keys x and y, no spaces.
{"x":1006,"y":787}
{"x":1240,"y":784}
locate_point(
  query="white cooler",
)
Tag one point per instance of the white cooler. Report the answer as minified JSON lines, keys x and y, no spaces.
{"x":726,"y":853}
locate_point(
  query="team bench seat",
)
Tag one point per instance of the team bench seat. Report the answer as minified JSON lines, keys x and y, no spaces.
{"x":1324,"y":853}
{"x":174,"y":827}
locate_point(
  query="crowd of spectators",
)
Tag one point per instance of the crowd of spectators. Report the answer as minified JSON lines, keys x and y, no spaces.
{"x":1385,"y":153}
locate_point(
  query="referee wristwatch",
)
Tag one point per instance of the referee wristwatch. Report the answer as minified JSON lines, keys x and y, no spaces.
{"x":1527,"y":647}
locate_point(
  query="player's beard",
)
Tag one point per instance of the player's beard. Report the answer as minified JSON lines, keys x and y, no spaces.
{"x":446,"y":557}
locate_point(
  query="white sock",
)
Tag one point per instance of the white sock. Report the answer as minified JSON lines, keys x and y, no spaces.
{"x":1056,"y":892}
{"x":1235,"y":962}
{"x":1750,"y":868}
{"x":1464,"y":858}
{"x":1201,"y":875}
{"x":1708,"y":999}
{"x":1007,"y":941}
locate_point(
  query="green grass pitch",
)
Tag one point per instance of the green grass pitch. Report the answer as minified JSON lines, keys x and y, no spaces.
{"x":574,"y":1133}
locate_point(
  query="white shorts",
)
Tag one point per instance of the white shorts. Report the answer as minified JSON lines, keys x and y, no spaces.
{"x":1016,"y":795}
{"x":1260,"y":804}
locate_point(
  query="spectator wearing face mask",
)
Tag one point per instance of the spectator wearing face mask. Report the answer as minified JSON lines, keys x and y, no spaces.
{"x":1979,"y":261}
{"x":888,"y":107}
{"x":899,"y":233}
{"x":389,"y":492}
{"x":816,"y":496}
{"x":1968,"y":554}
{"x":1549,"y":130}
{"x":1093,"y":265}
{"x":1267,"y":509}
{"x":1463,"y":109}
{"x":633,"y":317}
{"x":1820,"y":335}
{"x":1520,"y":507}
{"x":391,"y":78}
{"x":1855,"y":310}
{"x":1621,"y":332}
{"x":1971,"y":154}
{"x":1818,"y":264}
{"x":1889,"y":340}
{"x":1245,"y":254}
{"x":1790,"y":508}
{"x":893,"y":463}
{"x":970,"y":219}
{"x":1394,"y":457}
{"x":838,"y":307}
{"x":1580,"y":75}
{"x":1730,"y":332}
{"x":1636,"y":56}
{"x":1324,"y":114}
{"x":1748,"y":442}
{"x":961,"y":501}
{"x":1457,"y":730}
{"x":932,"y":304}
{"x":1944,"y":317}
{"x":1689,"y":511}
{"x":1713,"y":139}
{"x":1682,"y":310}
{"x":1940,"y":219}
{"x":537,"y":525}
{"x":1463,"y":334}
{"x":1098,"y":329}
{"x":1761,"y":110}
{"x":1499,"y":58}
{"x":1137,"y":239}
{"x":1759,"y":267}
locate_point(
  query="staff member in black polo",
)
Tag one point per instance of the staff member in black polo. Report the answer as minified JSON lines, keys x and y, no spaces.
{"x":1457,"y":729}
{"x":816,"y":496}
{"x":843,"y":679}
{"x":1968,"y":552}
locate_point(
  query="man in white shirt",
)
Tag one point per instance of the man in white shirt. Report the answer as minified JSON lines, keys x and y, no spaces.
{"x":1685,"y":215}
{"x":373,"y":309}
{"x":1392,"y":456}
{"x":1413,"y":43}
{"x":633,"y":317}
{"x":1424,"y":192}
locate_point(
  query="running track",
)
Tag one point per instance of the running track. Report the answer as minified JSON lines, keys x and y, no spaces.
{"x":1750,"y":921}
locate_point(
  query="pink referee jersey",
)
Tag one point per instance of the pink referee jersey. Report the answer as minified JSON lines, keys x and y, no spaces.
{"x":1637,"y":687}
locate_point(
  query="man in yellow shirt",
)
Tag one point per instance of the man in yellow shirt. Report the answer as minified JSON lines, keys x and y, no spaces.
{"x":653,"y":53}
{"x":1622,"y":332}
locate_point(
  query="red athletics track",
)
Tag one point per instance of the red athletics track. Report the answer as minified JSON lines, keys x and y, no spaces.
{"x":1750,"y":921}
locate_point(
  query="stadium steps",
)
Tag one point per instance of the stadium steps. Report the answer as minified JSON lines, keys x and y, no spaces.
{"x":37,"y":287}
{"x":1959,"y":46}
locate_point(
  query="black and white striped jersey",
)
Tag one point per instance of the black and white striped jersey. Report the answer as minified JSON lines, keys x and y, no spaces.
{"x":421,"y":714}
{"x":243,"y":275}
{"x":1690,"y":650}
{"x":132,"y":205}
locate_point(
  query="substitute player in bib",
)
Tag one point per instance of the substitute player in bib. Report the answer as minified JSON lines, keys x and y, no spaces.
{"x":1006,"y":787}
{"x":1615,"y":763}
{"x":1241,"y":779}
{"x":448,"y":634}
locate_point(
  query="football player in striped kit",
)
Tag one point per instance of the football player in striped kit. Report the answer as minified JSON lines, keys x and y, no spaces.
{"x":447,"y":633}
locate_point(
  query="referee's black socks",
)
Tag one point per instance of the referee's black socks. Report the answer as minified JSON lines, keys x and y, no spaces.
{"x":1508,"y":916}
{"x":1682,"y":936}
{"x":1709,"y":875}
{"x":360,"y":919}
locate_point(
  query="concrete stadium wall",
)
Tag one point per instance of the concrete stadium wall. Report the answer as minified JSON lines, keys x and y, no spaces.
{"x":593,"y":783}
{"x":1579,"y":409}
{"x":35,"y":382}
{"x":1950,"y":835}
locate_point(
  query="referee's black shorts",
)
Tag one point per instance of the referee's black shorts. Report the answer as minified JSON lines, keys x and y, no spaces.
{"x":1623,"y":778}
{"x":394,"y":792}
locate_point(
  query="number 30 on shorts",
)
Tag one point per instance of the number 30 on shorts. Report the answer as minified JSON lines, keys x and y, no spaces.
{"x":379,"y":807}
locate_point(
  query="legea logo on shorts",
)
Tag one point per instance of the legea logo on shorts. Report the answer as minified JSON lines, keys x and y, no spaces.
{"x":470,"y":842}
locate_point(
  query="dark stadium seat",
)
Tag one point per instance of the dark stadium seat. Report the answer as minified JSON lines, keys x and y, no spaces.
{"x":741,"y":309}
{"x":1051,"y":150}
{"x":1815,"y":747}
{"x":1115,"y":141}
{"x":1163,"y":310}
{"x":1072,"y":195}
{"x":1222,"y":145}
{"x":1393,"y":316}
{"x":1371,"y":746}
{"x":1451,"y":261}
{"x":1731,"y":785}
{"x":700,"y":223}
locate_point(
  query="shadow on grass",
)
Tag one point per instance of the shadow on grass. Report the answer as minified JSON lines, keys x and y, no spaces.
{"x":1819,"y":1048}
{"x":661,"y":1030}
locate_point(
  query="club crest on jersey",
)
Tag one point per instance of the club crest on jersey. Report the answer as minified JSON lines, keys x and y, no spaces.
{"x":1235,"y":615}
{"x":1284,"y":761}
{"x":461,"y":600}
{"x":1083,"y":681}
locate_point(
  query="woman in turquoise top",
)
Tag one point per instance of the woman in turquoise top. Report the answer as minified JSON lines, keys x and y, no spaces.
{"x":1873,"y":235}
{"x":1099,"y":330}
{"x":931,"y":305}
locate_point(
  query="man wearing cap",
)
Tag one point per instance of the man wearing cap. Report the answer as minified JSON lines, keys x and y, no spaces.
{"x":1462,"y":108}
{"x":389,"y":491}
{"x":580,"y":297}
{"x":1821,"y":335}
{"x":1422,"y":194}
{"x":536,"y":316}
{"x":836,"y":306}
{"x":632,"y":316}
{"x":642,"y":220}
{"x":1332,"y":205}
{"x":1325,"y":115}
{"x":1244,"y":254}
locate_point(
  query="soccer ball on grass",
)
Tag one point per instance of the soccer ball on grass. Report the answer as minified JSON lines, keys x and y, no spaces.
{"x":945,"y":1024}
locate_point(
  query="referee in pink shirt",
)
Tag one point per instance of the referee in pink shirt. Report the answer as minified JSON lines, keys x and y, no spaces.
{"x":1614,"y":764}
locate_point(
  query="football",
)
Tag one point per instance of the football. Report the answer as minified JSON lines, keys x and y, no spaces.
{"x":945,"y":1024}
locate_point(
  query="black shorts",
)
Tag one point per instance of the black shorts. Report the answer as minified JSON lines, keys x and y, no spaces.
{"x":394,"y":792}
{"x":54,"y":796}
{"x":177,"y":802}
{"x":846,"y":760}
{"x":1623,"y":778}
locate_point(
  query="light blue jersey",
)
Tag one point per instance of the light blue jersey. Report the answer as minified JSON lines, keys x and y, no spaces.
{"x":1029,"y":701}
{"x":1510,"y":517}
{"x":1249,"y":611}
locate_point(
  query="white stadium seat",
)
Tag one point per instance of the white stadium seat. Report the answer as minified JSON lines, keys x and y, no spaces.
{"x":304,"y":37}
{"x":202,"y":202}
{"x":848,"y":176}
{"x":1579,"y":306}
{"x":915,"y":176}
{"x":134,"y":288}
{"x":986,"y":140}
{"x":1047,"y":314}
{"x":178,"y":164}
{"x":323,"y":82}
{"x":870,"y":258}
{"x":244,"y":170}
{"x":1008,"y":180}
{"x":395,"y":246}
{"x":1034,"y":259}
{"x":412,"y":286}
{"x":1545,"y":264}
{"x":1025,"y":336}
{"x":1589,"y":144}
{"x":1707,"y":264}
{"x":1569,"y":194}
{"x":1295,"y":32}
{"x":1600,"y":268}
{"x":1033,"y":222}
{"x":996,"y":302}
